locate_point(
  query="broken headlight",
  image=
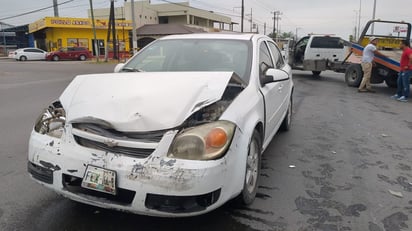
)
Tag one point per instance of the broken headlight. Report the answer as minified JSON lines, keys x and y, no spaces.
{"x":51,"y":121}
{"x":205,"y":142}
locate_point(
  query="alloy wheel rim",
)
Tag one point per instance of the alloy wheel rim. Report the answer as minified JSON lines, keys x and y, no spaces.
{"x":252,"y":167}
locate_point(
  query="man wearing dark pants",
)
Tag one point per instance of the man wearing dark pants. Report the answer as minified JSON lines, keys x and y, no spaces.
{"x":367,"y":62}
{"x":402,"y":93}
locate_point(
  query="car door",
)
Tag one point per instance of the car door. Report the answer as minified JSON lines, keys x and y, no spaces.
{"x":38,"y":54}
{"x":64,"y":53}
{"x":272,"y":92}
{"x":284,"y":86}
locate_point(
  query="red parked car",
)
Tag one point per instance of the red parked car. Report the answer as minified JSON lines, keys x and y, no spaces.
{"x":69,"y":53}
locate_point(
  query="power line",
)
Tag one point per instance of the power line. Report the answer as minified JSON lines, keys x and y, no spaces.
{"x":34,"y":11}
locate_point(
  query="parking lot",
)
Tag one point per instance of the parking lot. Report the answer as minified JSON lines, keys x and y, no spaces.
{"x":345,"y":164}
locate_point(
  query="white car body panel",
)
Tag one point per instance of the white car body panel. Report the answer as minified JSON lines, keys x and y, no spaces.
{"x":159,"y":101}
{"x":29,"y":54}
{"x":332,"y":54}
{"x":127,"y":101}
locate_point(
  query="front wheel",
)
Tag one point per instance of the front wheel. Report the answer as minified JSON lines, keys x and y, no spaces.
{"x":82,"y":57}
{"x":248,"y":194}
{"x":56,"y":58}
{"x":354,"y":75}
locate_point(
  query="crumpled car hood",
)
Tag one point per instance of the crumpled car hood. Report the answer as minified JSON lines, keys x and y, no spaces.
{"x":144,"y":101}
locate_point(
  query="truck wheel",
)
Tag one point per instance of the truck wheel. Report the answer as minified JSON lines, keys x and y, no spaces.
{"x":354,"y":75}
{"x":316,"y":73}
{"x":251,"y":181}
{"x":392,"y":81}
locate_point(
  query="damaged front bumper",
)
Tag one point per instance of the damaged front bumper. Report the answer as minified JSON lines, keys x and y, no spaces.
{"x":154,"y":185}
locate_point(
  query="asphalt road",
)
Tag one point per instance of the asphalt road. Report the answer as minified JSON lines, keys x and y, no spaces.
{"x":332,"y":171}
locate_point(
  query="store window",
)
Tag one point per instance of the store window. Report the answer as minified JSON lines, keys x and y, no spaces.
{"x":78,"y":42}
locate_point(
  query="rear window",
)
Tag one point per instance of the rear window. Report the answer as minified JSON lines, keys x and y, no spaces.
{"x":327,"y":42}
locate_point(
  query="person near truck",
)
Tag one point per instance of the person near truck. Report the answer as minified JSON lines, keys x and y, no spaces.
{"x":402,"y":93}
{"x":367,"y":62}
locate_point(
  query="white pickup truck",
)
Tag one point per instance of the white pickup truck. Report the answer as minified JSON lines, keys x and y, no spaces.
{"x":313,"y":52}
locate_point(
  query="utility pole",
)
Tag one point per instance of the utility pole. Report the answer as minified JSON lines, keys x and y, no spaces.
{"x":296,"y":34}
{"x":276,"y":17}
{"x":94,"y":32}
{"x":113,"y":29}
{"x":373,"y":16}
{"x":4,"y":38}
{"x":360,"y":10}
{"x":251,"y":20}
{"x":264,"y":28}
{"x":278,"y":27}
{"x":56,"y":10}
{"x":134,"y":42}
{"x":274,"y":25}
{"x":243,"y":15}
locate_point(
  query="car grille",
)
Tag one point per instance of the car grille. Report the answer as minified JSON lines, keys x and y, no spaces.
{"x":135,"y":152}
{"x":99,"y":130}
{"x":112,"y":133}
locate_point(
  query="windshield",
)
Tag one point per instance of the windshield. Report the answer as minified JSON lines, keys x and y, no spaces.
{"x":194,"y":55}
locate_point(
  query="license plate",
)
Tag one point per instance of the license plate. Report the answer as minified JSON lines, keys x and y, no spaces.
{"x":99,"y":179}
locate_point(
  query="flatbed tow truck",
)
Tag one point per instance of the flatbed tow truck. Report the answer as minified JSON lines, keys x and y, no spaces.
{"x":386,"y":69}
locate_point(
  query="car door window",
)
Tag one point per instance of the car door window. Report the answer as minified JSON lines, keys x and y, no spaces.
{"x":277,"y":55}
{"x":265,"y":60}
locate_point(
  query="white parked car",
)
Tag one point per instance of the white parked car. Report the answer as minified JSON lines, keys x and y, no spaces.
{"x":29,"y":53}
{"x":176,"y":131}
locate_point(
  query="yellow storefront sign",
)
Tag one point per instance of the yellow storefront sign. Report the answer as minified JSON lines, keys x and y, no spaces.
{"x":78,"y":23}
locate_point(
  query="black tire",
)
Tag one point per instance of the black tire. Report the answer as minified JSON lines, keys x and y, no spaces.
{"x":82,"y":57}
{"x":316,"y":73}
{"x":252,"y":174}
{"x":23,"y":58}
{"x":56,"y":58}
{"x":285,"y":126}
{"x":354,"y":75}
{"x":392,"y":81}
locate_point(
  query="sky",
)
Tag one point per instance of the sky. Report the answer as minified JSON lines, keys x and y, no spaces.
{"x":337,"y":17}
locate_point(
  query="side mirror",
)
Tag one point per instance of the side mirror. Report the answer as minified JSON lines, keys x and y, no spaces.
{"x":275,"y":75}
{"x":118,"y":67}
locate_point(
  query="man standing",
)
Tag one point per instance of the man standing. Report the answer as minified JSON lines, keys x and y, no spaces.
{"x":402,"y":93}
{"x":367,"y":62}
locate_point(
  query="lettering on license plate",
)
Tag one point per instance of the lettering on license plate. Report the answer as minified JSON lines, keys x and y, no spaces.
{"x":99,"y":179}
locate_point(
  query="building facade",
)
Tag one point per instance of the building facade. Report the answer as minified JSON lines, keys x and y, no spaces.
{"x":53,"y":33}
{"x":149,"y":15}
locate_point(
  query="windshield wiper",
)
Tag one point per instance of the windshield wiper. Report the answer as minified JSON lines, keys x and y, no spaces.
{"x":131,"y":69}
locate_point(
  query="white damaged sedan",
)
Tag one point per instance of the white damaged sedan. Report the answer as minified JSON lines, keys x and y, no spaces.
{"x":178,"y":130}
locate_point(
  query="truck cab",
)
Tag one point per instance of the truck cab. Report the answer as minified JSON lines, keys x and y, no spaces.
{"x":313,"y":52}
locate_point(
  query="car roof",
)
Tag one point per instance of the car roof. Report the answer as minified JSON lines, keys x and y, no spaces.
{"x":237,"y":36}
{"x":22,"y":49}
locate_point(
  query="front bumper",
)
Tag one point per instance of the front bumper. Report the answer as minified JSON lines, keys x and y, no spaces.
{"x":155,"y":185}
